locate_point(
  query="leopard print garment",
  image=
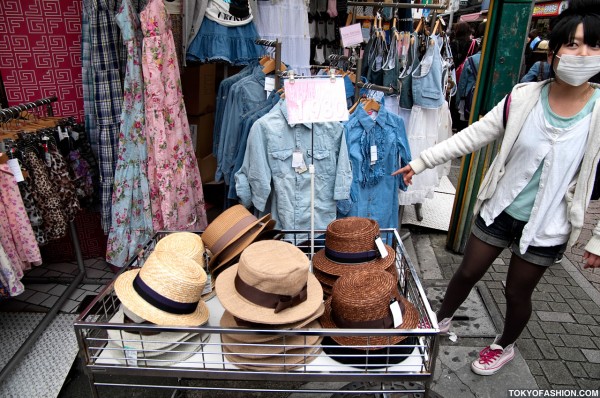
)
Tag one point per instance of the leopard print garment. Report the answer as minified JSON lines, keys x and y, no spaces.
{"x":45,"y":195}
{"x":33,"y":212}
{"x":63,"y":183}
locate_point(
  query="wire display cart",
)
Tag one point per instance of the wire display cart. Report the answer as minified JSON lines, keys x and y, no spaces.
{"x":203,"y":355}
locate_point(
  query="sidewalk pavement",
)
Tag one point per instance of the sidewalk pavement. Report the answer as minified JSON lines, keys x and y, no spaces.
{"x":560,"y":347}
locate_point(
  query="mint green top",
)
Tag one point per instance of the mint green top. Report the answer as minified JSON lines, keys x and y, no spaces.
{"x":520,"y":208}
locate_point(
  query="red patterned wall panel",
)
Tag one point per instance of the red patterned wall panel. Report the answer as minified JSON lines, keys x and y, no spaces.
{"x":40,"y":52}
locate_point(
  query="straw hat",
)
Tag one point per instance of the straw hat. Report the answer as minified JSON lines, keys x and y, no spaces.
{"x":235,"y":224}
{"x":291,"y":359}
{"x":151,"y":344}
{"x":374,"y":358}
{"x":187,"y":244}
{"x":228,"y":321}
{"x":166,"y":290}
{"x":270,"y":285}
{"x":350,"y":246}
{"x":273,"y":347}
{"x":361,"y":300}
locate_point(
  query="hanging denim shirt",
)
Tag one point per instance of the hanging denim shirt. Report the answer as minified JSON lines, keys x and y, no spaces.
{"x":412,"y":61}
{"x":222,"y":95}
{"x":427,"y":77}
{"x":246,"y":95}
{"x":374,"y":192}
{"x":249,"y":119}
{"x":267,"y":170}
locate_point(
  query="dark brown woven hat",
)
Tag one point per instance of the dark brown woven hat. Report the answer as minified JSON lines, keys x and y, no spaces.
{"x":350,"y":246}
{"x":327,"y":281}
{"x":361,"y":300}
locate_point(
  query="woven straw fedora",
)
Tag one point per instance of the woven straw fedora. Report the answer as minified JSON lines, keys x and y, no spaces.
{"x":273,"y":347}
{"x":292,"y":359}
{"x":361,"y":300}
{"x":235,"y":224}
{"x":270,"y":285}
{"x":166,"y":290}
{"x":229,"y":321}
{"x":187,"y":244}
{"x":350,"y":246}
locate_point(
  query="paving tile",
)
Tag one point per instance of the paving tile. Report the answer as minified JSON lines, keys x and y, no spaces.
{"x":95,"y":273}
{"x":546,"y":349}
{"x":575,"y":329}
{"x":69,"y":306}
{"x":557,"y":372}
{"x":66,"y":268}
{"x":560,"y":307}
{"x":77,"y":293}
{"x":494,"y":285}
{"x":579,"y":342}
{"x":534,"y":367}
{"x":90,"y":288}
{"x":595,"y":329}
{"x":592,"y":356}
{"x":497,"y":276}
{"x":35,"y":308}
{"x":556,"y":297}
{"x":552,"y":327}
{"x":535,"y":330}
{"x":538,"y":305}
{"x":539,"y":296}
{"x":545,"y":287}
{"x":38,"y":298}
{"x":37,"y":271}
{"x":26,"y":294}
{"x":560,"y":272}
{"x":576,"y":369}
{"x":593,"y":370}
{"x":575,"y":306}
{"x":529,"y":349}
{"x":588,"y":384}
{"x":555,"y":340}
{"x":554,"y":280}
{"x":591,"y":307}
{"x":498,"y":295}
{"x":50,"y":301}
{"x":570,"y":354}
{"x":58,"y":290}
{"x":579,"y":293}
{"x":542,"y":382}
{"x":43,"y":287}
{"x":54,"y":274}
{"x":555,"y":316}
{"x":564,"y":292}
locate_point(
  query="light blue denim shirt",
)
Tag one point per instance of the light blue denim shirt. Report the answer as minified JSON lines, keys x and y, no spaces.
{"x":374,"y":192}
{"x":267,"y":170}
{"x":245,"y":95}
{"x":427,"y":87}
{"x":222,"y":95}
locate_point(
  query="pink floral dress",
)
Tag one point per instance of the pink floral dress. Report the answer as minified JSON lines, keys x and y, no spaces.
{"x":175,"y":185}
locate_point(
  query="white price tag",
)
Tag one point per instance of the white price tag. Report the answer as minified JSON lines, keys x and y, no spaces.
{"x":130,"y":356}
{"x":373,"y":154}
{"x":15,"y":169}
{"x":297,"y":159}
{"x":396,"y":313}
{"x":381,"y":247}
{"x":75,"y":135}
{"x":207,"y":285}
{"x":48,"y":159}
{"x":62,"y":133}
{"x":269,"y":84}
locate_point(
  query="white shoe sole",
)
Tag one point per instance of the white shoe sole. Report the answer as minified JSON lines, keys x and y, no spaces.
{"x":488,"y":372}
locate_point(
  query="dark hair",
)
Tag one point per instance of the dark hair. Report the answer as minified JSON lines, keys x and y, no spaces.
{"x":533,"y":34}
{"x":481,"y":29}
{"x":563,"y":27}
{"x":461,"y":30}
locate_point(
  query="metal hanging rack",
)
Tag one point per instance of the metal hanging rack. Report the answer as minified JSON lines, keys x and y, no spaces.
{"x":6,"y":115}
{"x":276,"y":44}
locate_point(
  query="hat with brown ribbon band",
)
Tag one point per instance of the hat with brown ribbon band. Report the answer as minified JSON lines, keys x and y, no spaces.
{"x":235,"y":226}
{"x":187,"y":244}
{"x":166,"y":290}
{"x":350,"y":245}
{"x":362,"y":300}
{"x":271,"y":285}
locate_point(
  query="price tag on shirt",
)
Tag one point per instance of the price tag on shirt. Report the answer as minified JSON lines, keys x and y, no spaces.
{"x":62,"y":133}
{"x":15,"y":169}
{"x":373,"y":154}
{"x":396,"y":312}
{"x":297,"y":159}
{"x":382,"y":249}
{"x":269,"y":84}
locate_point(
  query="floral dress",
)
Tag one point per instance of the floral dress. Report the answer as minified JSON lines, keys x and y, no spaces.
{"x":175,"y":185}
{"x":131,"y":224}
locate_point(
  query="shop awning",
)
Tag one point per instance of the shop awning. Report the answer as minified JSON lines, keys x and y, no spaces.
{"x":474,"y":17}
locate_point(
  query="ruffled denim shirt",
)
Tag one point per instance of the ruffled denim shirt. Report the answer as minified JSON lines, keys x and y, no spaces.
{"x":374,"y":191}
{"x":267,"y":171}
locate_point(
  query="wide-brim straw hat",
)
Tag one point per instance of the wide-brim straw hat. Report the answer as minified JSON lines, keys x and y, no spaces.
{"x":167,"y":290}
{"x":270,"y":285}
{"x":292,"y":359}
{"x":228,"y":321}
{"x":350,"y":246}
{"x":361,"y":300}
{"x":272,"y":347}
{"x":151,"y":344}
{"x":173,"y":356}
{"x":327,"y":281}
{"x":231,"y":253}
{"x":187,"y":244}
{"x":234,"y":224}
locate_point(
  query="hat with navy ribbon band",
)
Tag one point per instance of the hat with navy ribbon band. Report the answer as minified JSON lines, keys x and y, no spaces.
{"x":350,"y":246}
{"x":167,"y":290}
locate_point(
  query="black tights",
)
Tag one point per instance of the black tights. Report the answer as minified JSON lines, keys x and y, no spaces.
{"x":522,"y":278}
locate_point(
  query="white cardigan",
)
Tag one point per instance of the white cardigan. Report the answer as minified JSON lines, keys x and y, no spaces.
{"x":489,"y":128}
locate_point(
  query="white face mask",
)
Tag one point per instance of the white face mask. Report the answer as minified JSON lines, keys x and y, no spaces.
{"x":577,"y":69}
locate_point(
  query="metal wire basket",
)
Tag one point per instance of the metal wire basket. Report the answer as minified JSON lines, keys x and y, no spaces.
{"x":297,"y":355}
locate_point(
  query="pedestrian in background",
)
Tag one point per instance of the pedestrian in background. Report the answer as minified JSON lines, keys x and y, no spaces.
{"x":535,"y":194}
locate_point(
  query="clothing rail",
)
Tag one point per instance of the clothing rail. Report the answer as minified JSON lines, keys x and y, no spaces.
{"x":23,"y":350}
{"x":441,"y":6}
{"x":371,"y":86}
{"x":276,"y":44}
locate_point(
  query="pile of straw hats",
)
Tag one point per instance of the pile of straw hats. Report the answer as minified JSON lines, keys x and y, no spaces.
{"x":364,"y":300}
{"x":230,"y":233}
{"x":350,"y":246}
{"x":270,"y":289}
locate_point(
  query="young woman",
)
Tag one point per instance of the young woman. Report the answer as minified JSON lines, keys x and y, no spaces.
{"x":535,"y":194}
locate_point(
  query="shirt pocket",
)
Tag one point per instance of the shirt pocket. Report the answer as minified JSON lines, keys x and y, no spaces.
{"x":281,"y":162}
{"x":429,"y":88}
{"x":323,"y":160}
